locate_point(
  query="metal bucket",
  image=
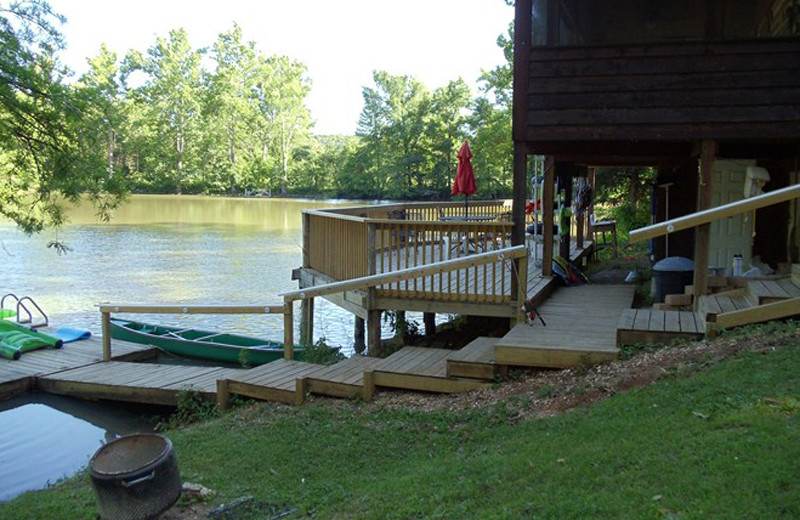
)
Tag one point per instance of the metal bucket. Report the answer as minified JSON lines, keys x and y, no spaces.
{"x":135,"y":477}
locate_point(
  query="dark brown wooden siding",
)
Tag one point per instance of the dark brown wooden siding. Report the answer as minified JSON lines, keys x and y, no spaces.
{"x":676,"y":91}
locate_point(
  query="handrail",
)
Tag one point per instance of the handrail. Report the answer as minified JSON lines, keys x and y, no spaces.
{"x":406,"y":274}
{"x":288,"y":322}
{"x":710,"y":215}
{"x":190,"y":309}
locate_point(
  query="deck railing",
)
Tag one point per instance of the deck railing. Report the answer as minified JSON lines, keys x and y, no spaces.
{"x":348,"y":243}
{"x":505,"y":255}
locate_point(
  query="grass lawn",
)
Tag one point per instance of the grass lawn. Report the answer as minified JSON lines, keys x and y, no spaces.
{"x":721,"y":443}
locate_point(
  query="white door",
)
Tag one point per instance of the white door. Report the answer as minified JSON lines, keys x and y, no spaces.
{"x":733,"y":235}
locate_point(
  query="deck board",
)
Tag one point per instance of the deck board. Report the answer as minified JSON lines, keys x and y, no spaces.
{"x":581,"y":324}
{"x":662,"y":326}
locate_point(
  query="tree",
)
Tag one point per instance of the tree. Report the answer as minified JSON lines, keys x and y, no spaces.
{"x":492,"y":118}
{"x":231,"y":108}
{"x":392,"y":124}
{"x":447,"y":127}
{"x":171,"y":97}
{"x":41,"y":124}
{"x":281,"y":87}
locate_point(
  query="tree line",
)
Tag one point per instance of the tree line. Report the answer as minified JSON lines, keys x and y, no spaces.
{"x":224,"y":119}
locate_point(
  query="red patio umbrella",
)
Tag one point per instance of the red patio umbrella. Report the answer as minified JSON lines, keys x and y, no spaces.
{"x":465,"y":178}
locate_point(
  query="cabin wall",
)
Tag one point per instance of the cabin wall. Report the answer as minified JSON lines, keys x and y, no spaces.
{"x":661,"y":92}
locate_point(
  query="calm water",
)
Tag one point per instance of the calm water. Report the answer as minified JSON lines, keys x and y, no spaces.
{"x":170,"y":249}
{"x":47,"y":437}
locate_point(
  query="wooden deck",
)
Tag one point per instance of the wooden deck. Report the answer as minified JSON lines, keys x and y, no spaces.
{"x":581,"y":324}
{"x":654,"y":326}
{"x":20,"y":376}
{"x":148,"y":383}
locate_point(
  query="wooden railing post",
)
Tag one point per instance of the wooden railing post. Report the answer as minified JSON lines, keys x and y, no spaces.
{"x":288,"y":329}
{"x":106,"y":324}
{"x":702,"y":236}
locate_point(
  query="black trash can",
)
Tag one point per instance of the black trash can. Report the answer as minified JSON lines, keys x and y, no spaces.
{"x":671,"y":275}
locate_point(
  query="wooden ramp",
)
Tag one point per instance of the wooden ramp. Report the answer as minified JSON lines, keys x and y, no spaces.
{"x":581,"y":329}
{"x":280,"y":380}
{"x":417,"y":368}
{"x":654,"y":326}
{"x":149,"y":383}
{"x":19,"y":376}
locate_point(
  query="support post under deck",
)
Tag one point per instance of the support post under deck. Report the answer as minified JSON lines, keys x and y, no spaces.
{"x":307,"y":321}
{"x":374,"y":333}
{"x":702,"y":240}
{"x":359,"y":344}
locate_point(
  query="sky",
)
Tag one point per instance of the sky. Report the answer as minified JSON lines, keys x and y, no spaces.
{"x":341,"y":42}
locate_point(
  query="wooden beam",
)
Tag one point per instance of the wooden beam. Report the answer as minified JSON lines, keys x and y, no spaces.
{"x":407,"y":274}
{"x":288,"y":330}
{"x":565,"y":171}
{"x":190,"y":309}
{"x":717,"y":213}
{"x":766,"y":312}
{"x":106,"y":324}
{"x":522,"y":43}
{"x":547,"y":214}
{"x":520,"y":194}
{"x":374,"y":333}
{"x":429,"y":319}
{"x":307,"y":321}
{"x":359,"y":344}
{"x":702,"y":240}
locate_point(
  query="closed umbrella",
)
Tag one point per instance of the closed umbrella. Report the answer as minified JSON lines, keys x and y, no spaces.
{"x":465,"y":178}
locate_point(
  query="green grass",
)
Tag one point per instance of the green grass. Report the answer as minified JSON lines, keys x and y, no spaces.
{"x":722,"y":444}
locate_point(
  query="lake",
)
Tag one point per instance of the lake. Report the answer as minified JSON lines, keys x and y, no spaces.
{"x":157,"y":249}
{"x":172,"y":249}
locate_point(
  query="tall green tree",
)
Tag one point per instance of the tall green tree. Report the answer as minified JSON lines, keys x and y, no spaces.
{"x":447,"y":126}
{"x":231,"y":107}
{"x":171,"y":100}
{"x":392,"y":125}
{"x":491,"y":117}
{"x":41,"y":120}
{"x":284,"y":122}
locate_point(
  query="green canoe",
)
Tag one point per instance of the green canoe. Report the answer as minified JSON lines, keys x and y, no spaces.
{"x":201,"y":344}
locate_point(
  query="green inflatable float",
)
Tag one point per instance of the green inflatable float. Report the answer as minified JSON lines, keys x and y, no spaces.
{"x":16,"y":339}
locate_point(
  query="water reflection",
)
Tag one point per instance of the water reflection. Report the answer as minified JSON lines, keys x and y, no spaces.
{"x":46,"y":437}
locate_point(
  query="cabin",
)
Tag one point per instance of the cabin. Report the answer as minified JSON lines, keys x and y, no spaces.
{"x":707,"y":92}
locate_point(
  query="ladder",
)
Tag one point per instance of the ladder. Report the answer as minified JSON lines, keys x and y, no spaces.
{"x":20,"y":308}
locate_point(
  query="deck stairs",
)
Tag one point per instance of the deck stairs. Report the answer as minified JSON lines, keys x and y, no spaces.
{"x":758,"y":301}
{"x":410,"y":368}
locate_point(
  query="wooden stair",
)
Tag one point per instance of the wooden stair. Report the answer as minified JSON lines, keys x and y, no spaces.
{"x":759,"y":301}
{"x":476,"y":361}
{"x":280,"y":380}
{"x":417,"y":368}
{"x":657,"y":326}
